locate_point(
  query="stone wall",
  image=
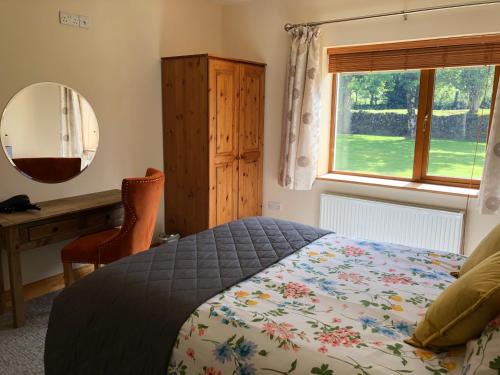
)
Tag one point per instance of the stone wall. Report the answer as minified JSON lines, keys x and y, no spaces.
{"x":457,"y":127}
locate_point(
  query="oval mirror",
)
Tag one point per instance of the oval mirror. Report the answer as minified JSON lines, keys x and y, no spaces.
{"x":49,"y":132}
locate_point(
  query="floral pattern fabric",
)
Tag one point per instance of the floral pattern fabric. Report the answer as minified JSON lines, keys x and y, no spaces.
{"x":489,"y":195}
{"x":301,"y":130}
{"x":483,"y":355}
{"x":337,"y":306}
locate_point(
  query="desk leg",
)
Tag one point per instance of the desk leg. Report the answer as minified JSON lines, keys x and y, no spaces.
{"x":2,"y":286}
{"x":16,"y":289}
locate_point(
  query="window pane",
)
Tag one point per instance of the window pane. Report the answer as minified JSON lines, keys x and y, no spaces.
{"x":460,"y":119}
{"x":375,"y":122}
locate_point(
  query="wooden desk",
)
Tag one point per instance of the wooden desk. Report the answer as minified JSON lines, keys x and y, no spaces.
{"x":59,"y":220}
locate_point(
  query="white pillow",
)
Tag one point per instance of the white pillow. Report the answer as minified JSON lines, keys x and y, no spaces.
{"x":482,"y":356}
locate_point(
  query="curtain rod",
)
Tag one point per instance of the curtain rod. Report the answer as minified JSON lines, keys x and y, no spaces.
{"x":403,"y":13}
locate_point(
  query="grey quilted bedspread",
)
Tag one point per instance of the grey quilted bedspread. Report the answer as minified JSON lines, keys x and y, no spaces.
{"x":124,"y":318}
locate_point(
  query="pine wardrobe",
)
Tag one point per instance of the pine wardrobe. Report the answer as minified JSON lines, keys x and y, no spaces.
{"x":213,"y":116}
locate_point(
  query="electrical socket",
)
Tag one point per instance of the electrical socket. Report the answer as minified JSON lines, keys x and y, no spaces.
{"x":69,"y":19}
{"x":274,"y":206}
{"x":84,"y":22}
{"x":75,"y":20}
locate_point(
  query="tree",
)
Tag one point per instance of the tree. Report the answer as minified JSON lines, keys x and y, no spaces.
{"x":370,"y":85}
{"x":472,"y":84}
{"x":345,"y":101}
{"x":474,"y":81}
{"x":447,"y":90}
{"x":402,"y":92}
{"x":374,"y":85}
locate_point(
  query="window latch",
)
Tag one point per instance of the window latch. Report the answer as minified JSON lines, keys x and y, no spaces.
{"x":426,"y":121}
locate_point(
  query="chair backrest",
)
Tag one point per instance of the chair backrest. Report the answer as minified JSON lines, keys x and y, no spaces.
{"x":141,"y":199}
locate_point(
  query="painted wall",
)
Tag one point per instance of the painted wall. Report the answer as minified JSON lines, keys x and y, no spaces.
{"x":32,"y":121}
{"x":115,"y":65}
{"x":191,"y":27}
{"x":254,"y":30}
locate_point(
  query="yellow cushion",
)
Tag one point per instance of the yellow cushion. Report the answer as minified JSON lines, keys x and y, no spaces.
{"x":487,"y":247}
{"x":462,"y":311}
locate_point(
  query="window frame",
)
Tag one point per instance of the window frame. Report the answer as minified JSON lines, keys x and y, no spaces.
{"x":423,"y":125}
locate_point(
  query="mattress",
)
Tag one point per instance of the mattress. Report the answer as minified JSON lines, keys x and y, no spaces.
{"x":337,"y":306}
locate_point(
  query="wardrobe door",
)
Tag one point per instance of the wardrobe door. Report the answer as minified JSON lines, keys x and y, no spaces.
{"x":251,"y":139}
{"x":224,"y":110}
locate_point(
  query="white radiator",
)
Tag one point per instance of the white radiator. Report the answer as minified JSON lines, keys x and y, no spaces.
{"x":422,"y":227}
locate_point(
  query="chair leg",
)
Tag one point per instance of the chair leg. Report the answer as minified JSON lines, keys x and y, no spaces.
{"x":69,"y":277}
{"x":96,"y":266}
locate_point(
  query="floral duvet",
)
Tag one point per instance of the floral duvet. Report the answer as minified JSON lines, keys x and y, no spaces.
{"x":337,"y":306}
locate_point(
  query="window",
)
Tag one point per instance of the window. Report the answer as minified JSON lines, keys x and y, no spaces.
{"x":460,"y":117}
{"x":375,"y":129}
{"x":417,"y":111}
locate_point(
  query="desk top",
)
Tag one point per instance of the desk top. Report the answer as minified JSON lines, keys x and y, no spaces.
{"x":63,"y":206}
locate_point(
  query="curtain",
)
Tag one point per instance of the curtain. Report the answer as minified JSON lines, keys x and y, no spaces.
{"x":90,"y":132}
{"x":300,"y":132}
{"x":489,"y":195}
{"x":71,"y":124}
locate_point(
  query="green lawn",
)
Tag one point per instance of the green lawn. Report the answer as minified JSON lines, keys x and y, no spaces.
{"x":393,"y":156}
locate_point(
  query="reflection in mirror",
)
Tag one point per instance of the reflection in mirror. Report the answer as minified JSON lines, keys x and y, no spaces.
{"x":49,"y":132}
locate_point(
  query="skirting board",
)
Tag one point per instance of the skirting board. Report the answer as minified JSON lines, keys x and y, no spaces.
{"x":49,"y":285}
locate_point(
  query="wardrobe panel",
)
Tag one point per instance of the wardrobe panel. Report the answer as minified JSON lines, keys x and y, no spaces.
{"x":251,"y":139}
{"x":249,"y":186}
{"x":224,"y":108}
{"x":185,"y":146}
{"x":226,"y":209}
{"x":250,"y":109}
{"x":224,"y":121}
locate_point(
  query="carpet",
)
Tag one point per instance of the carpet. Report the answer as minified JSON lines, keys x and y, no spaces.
{"x":21,"y":349}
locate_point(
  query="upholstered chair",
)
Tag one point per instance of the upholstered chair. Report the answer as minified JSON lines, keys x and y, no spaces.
{"x":141,"y":199}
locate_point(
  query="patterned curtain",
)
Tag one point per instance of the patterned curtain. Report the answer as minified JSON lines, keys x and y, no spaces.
{"x":90,"y":132}
{"x":71,"y":124}
{"x":489,"y":196}
{"x":300,"y":135}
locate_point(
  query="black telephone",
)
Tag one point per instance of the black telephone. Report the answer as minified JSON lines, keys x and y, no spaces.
{"x":19,"y":203}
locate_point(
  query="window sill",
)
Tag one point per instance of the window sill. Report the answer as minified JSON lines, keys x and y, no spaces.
{"x":398,"y":184}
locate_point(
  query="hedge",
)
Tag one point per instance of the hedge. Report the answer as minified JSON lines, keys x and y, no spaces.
{"x":393,"y":124}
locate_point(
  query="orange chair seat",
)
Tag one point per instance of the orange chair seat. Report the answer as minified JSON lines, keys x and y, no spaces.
{"x":85,"y":249}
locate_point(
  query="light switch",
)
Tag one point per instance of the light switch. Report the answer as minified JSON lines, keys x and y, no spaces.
{"x":84,"y":22}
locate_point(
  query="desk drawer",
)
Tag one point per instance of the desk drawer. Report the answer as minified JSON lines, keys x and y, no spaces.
{"x":105,"y":219}
{"x":87,"y":222}
{"x":53,"y":229}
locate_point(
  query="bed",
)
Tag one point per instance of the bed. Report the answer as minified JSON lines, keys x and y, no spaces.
{"x":313,"y":303}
